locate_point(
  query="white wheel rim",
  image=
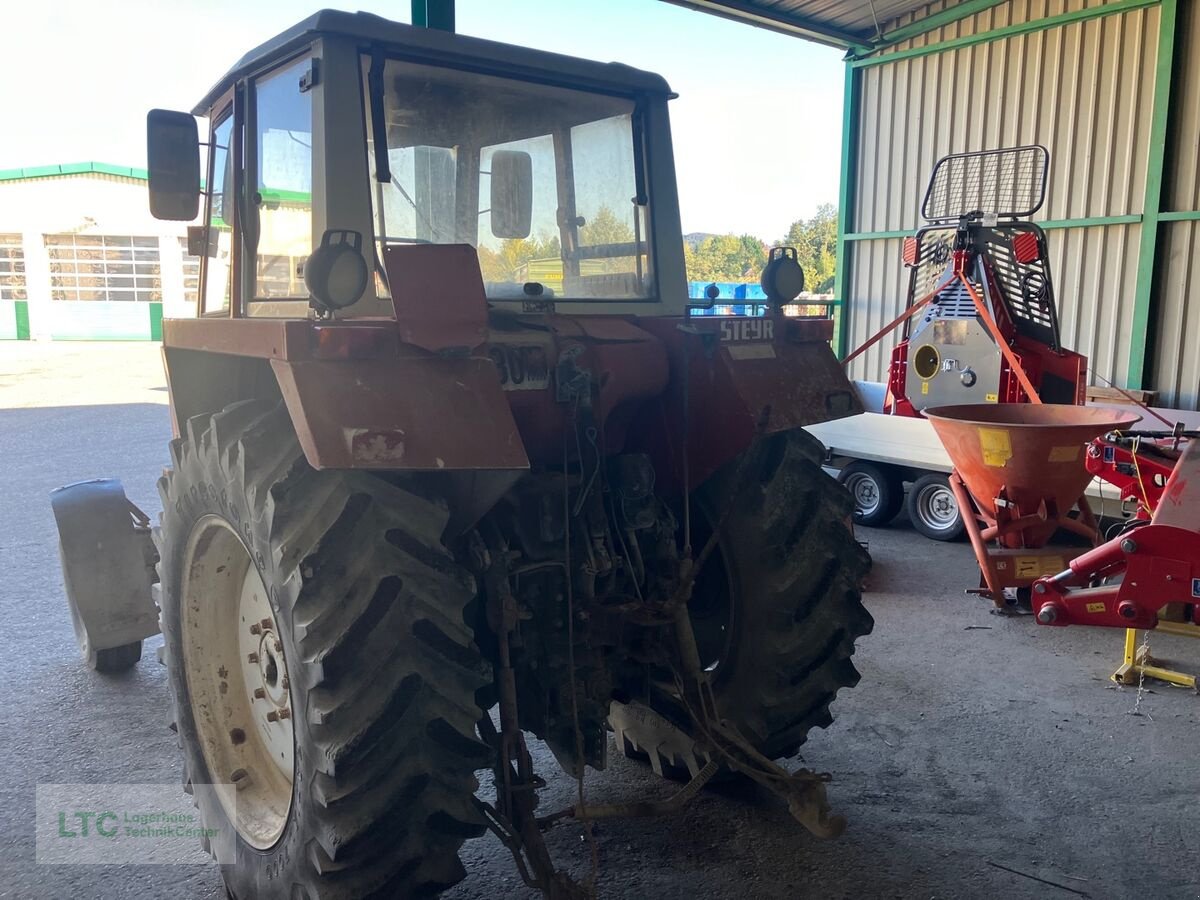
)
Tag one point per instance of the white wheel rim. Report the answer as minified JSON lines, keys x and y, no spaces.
{"x":865,"y":492}
{"x":937,"y":507}
{"x":237,"y":680}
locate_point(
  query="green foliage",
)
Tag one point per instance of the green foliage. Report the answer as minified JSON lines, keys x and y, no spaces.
{"x":815,"y":241}
{"x":725,"y":257}
{"x":508,"y":264}
{"x":715,"y":257}
{"x":605,"y":228}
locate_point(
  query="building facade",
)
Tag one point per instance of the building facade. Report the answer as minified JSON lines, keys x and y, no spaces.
{"x":81,"y":258}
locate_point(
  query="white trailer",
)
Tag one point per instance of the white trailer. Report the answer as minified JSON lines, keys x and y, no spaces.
{"x":893,"y":462}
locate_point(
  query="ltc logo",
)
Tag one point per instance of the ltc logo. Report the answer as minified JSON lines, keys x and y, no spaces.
{"x":747,"y":330}
{"x":85,"y":822}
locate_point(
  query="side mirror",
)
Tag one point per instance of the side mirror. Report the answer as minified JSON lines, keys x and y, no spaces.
{"x":173,"y":161}
{"x":512,"y":194}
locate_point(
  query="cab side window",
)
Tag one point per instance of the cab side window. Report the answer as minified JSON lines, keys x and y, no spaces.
{"x":218,"y":280}
{"x":284,"y":182}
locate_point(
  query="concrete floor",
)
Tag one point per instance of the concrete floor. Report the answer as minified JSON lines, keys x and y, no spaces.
{"x":972,"y":743}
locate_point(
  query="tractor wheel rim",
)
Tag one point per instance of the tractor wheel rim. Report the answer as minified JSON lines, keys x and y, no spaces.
{"x":237,"y":680}
{"x":937,"y":507}
{"x":865,"y":492}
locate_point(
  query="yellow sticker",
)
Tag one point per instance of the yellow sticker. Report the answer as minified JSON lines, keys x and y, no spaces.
{"x":1096,"y":607}
{"x":997,"y":450}
{"x":1037,"y":566}
{"x":992,"y":398}
{"x":1064,"y":454}
{"x":924,"y":387}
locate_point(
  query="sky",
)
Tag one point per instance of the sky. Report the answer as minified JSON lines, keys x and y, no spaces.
{"x":757,"y":126}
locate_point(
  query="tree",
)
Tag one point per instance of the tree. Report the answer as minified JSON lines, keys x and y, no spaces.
{"x":507,"y":263}
{"x":726,"y":257}
{"x":815,"y":241}
{"x":605,"y":228}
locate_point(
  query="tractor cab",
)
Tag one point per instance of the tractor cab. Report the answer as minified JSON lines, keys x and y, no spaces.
{"x":556,"y":170}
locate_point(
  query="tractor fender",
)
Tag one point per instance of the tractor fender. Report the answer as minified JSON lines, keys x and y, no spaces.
{"x":357,"y":396}
{"x":401,"y":413}
{"x":738,"y":377}
{"x":108,"y":563}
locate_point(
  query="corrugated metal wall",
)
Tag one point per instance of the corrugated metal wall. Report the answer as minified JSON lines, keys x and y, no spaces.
{"x":1176,"y":370}
{"x":1083,"y":89}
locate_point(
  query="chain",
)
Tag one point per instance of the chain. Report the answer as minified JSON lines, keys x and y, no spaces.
{"x":1139,"y":660}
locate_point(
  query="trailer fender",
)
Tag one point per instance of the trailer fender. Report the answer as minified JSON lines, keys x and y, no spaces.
{"x":108,"y":564}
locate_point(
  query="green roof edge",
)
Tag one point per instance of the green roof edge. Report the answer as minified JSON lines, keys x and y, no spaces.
{"x":80,"y":168}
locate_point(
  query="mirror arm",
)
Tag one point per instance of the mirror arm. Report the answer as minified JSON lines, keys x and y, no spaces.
{"x":383,"y":166}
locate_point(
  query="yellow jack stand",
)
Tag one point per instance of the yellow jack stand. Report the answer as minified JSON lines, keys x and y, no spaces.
{"x":1139,"y":663}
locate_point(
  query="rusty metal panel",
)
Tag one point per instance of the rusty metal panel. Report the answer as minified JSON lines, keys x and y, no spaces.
{"x":401,"y":413}
{"x":1083,"y":89}
{"x":1176,"y":347}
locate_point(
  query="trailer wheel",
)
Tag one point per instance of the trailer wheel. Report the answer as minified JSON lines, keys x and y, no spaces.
{"x":877,"y":490}
{"x":320,"y":662}
{"x":933,"y":510}
{"x":776,"y":610}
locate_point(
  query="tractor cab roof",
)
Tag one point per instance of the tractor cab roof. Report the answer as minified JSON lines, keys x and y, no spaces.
{"x":427,"y":45}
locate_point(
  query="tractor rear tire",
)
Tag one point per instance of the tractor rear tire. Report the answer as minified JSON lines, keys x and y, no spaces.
{"x":776,"y":609}
{"x":363,"y":615}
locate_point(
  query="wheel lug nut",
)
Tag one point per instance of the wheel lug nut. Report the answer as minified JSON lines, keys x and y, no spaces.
{"x":285,"y":713}
{"x":283,"y":683}
{"x":252,"y":657}
{"x":259,"y":693}
{"x":255,"y":629}
{"x":265,"y":624}
{"x":272,"y":716}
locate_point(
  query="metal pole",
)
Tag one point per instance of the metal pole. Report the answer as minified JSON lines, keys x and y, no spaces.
{"x":437,"y":14}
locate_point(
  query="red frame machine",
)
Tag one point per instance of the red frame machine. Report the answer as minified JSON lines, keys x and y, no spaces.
{"x":1126,"y":582}
{"x":980,"y":278}
{"x":988,"y":333}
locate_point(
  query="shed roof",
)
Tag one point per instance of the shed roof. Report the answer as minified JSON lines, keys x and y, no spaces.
{"x":858,"y":25}
{"x":80,"y":168}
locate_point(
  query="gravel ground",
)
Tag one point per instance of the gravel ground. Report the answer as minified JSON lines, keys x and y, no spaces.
{"x":974,"y":745}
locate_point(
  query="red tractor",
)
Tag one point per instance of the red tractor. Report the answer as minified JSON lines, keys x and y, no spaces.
{"x":447,"y":439}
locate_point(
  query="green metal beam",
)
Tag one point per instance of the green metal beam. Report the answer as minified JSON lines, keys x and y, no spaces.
{"x":1164,"y":68}
{"x":948,"y":16}
{"x":1080,"y":15}
{"x":846,"y":200}
{"x":437,"y":14}
{"x":1182,"y":215}
{"x":21,"y":310}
